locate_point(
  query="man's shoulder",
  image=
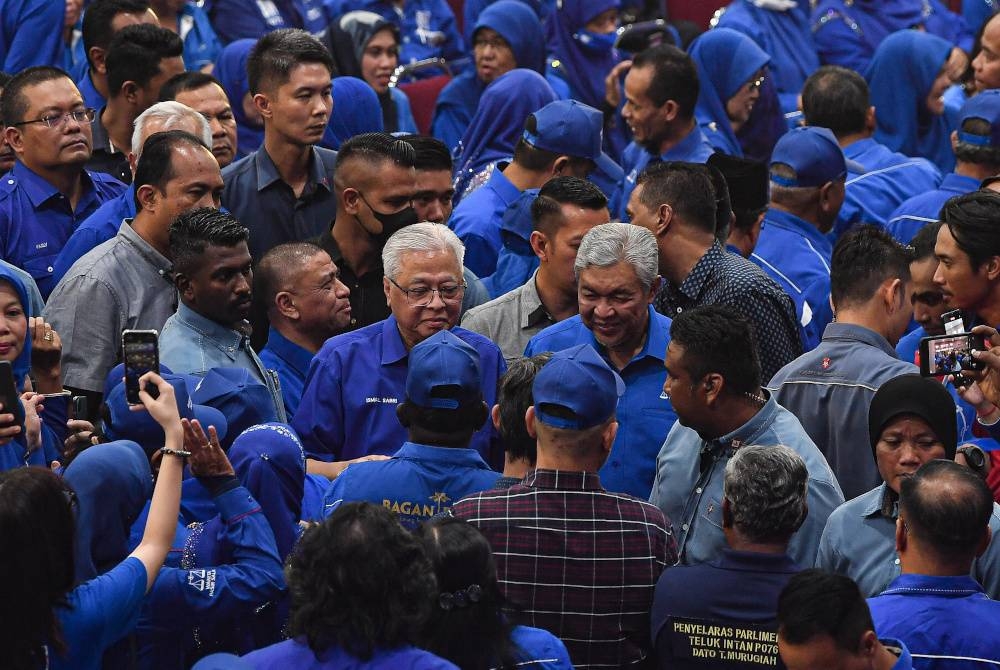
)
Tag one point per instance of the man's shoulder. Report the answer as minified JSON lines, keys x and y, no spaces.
{"x":492,"y":309}
{"x":557,"y":336}
{"x":347,"y":343}
{"x":329,"y":158}
{"x":235,"y":171}
{"x":103,"y":261}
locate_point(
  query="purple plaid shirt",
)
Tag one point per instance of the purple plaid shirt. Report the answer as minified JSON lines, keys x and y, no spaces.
{"x":577,"y":561}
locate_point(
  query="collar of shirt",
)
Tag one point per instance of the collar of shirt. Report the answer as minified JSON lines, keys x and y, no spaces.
{"x":877,"y":501}
{"x":562,"y":479}
{"x":792,"y":223}
{"x":703,"y":269}
{"x":451,"y":456}
{"x":685,"y":147}
{"x":958,"y":184}
{"x":503,"y":187}
{"x":101,"y":139}
{"x":751,"y":431}
{"x":226,"y":339}
{"x":532,"y":309}
{"x":856,"y":151}
{"x":154,"y":257}
{"x":753,"y":561}
{"x":297,"y":357}
{"x":851,"y":331}
{"x":929,"y":585}
{"x":393,"y":347}
{"x":896,"y":647}
{"x":267,"y":172}
{"x":39,"y":191}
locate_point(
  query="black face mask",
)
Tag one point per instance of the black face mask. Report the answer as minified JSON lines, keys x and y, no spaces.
{"x":390,"y":222}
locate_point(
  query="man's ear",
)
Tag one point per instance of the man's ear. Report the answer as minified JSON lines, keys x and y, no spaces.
{"x":184,"y":287}
{"x":495,"y":416}
{"x":892,"y":295}
{"x":954,"y":139}
{"x":97,"y":57}
{"x":669,"y":110}
{"x":286,"y":306}
{"x":609,"y":436}
{"x":146,"y":195}
{"x":529,"y":422}
{"x":540,"y":245}
{"x":559,"y":165}
{"x":870,"y":120}
{"x":350,"y":199}
{"x":130,"y":91}
{"x":993,"y":268}
{"x":901,"y":538}
{"x":727,"y":513}
{"x":830,"y":195}
{"x":263,"y":105}
{"x":664,"y":219}
{"x":14,"y":138}
{"x":653,"y":288}
{"x":386,"y":287}
{"x":713,"y":385}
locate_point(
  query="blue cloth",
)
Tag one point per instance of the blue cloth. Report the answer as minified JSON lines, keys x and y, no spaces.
{"x":231,"y":71}
{"x":585,"y":65}
{"x":978,"y":12}
{"x":405,"y":123}
{"x":296,"y":654}
{"x":472,"y":9}
{"x":30,"y":34}
{"x":291,"y":362}
{"x":99,"y":227}
{"x":455,"y":107}
{"x":348,"y":407}
{"x":356,"y":110}
{"x":237,"y":19}
{"x":538,"y":648}
{"x":476,"y":220}
{"x":947,"y":623}
{"x":34,"y":304}
{"x":797,"y":256}
{"x":726,"y":60}
{"x":36,"y":219}
{"x":644,"y":418}
{"x":516,"y":262}
{"x":918,"y":211}
{"x":900,"y":77}
{"x":418,"y":482}
{"x":201,"y":44}
{"x":91,"y":96}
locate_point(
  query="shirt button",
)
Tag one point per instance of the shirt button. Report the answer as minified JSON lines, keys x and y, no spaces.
{"x":698,"y":490}
{"x":354,"y":322}
{"x":10,"y":181}
{"x":680,"y":309}
{"x":48,"y":269}
{"x":684,"y":527}
{"x":896,"y":561}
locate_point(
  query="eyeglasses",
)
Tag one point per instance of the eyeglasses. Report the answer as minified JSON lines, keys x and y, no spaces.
{"x":756,"y":83}
{"x":56,"y":120}
{"x":421,"y":296}
{"x":498,"y":43}
{"x":929,"y":298}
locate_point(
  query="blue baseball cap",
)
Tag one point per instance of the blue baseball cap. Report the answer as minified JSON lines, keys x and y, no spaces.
{"x":984,"y":106}
{"x":443,"y":373}
{"x":572,"y":128}
{"x":814,"y":155}
{"x":579,"y":380}
{"x":240,"y":396}
{"x":117,"y":374}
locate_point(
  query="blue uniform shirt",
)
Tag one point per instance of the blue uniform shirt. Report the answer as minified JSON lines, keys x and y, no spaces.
{"x":36,"y":219}
{"x":91,"y":96}
{"x":291,"y":362}
{"x":517,"y":261}
{"x":644,"y":418}
{"x":31,"y":34}
{"x":348,"y":405}
{"x":99,"y":227}
{"x":477,"y":220}
{"x":295,"y":653}
{"x":922,"y":209}
{"x":238,"y":19}
{"x":201,"y":44}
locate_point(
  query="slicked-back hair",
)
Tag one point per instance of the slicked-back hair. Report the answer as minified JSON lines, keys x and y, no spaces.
{"x":864,"y":258}
{"x":156,"y":163}
{"x":686,"y":187}
{"x":608,"y":244}
{"x":972,"y":220}
{"x":186,"y":81}
{"x":430,"y":153}
{"x":835,"y":97}
{"x":277,"y":268}
{"x":766,"y":490}
{"x":925,"y":239}
{"x":192,"y":232}
{"x":99,"y":18}
{"x":277,"y":53}
{"x":546,"y":210}
{"x":817,"y":603}
{"x":14,"y":104}
{"x":710,"y":335}
{"x":359,"y":581}
{"x":135,"y":54}
{"x":675,"y":77}
{"x":514,"y":396}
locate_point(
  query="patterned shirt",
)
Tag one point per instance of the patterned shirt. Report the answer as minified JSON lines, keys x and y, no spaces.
{"x":577,"y":561}
{"x":722,"y":278}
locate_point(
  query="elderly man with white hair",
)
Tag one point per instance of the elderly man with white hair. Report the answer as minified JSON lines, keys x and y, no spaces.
{"x":348,"y":407}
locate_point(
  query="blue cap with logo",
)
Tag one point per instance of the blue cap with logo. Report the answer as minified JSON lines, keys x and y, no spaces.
{"x":574,"y":129}
{"x":580,"y":381}
{"x":443,"y":373}
{"x":814,"y":155}
{"x":984,"y":106}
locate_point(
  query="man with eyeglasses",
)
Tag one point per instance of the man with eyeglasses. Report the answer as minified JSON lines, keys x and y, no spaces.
{"x":49,"y":191}
{"x":348,"y":408}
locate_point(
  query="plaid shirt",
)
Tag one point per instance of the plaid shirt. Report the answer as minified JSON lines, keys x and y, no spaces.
{"x":577,"y":561}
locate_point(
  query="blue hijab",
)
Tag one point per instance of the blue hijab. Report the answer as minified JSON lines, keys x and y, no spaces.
{"x":231,"y":71}
{"x":112,"y":483}
{"x":356,"y":110}
{"x":587,"y":60}
{"x":876,"y":19}
{"x":900,"y":77}
{"x":22,"y":364}
{"x":725,"y":60}
{"x":499,"y":121}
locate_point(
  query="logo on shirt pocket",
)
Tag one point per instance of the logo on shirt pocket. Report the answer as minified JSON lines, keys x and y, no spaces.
{"x":711,"y":512}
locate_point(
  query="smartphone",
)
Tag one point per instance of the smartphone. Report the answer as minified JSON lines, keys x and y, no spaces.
{"x":8,"y":394}
{"x":953,"y":322}
{"x":950,"y":354}
{"x":80,"y":408}
{"x":142,"y":355}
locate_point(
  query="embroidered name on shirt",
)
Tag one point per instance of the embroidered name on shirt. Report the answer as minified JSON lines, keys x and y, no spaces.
{"x":384,"y":401}
{"x":203,"y":580}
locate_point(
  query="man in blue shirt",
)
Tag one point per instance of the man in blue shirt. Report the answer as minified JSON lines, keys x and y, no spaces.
{"x":935,"y":607}
{"x":442,"y":409}
{"x":976,"y":144}
{"x":30,"y":34}
{"x":616,"y":272}
{"x":721,"y":407}
{"x":190,"y":22}
{"x":306,"y":303}
{"x":347,"y":410}
{"x":48,"y":192}
{"x":237,"y":19}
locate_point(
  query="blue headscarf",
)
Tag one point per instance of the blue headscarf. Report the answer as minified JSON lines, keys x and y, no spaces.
{"x":231,"y":71}
{"x":900,"y":76}
{"x":356,"y":110}
{"x":499,"y":121}
{"x":725,"y":60}
{"x":21,"y":365}
{"x":269,"y":460}
{"x":112,"y":483}
{"x":586,"y":61}
{"x":876,"y":19}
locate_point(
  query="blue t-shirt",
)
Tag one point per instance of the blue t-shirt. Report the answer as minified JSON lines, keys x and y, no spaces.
{"x":296,"y":654}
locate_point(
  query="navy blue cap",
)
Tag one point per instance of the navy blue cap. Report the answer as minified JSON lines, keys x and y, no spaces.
{"x":984,"y":106}
{"x":574,"y":129}
{"x":443,"y":373}
{"x":117,"y":374}
{"x":240,"y":396}
{"x":579,"y":380}
{"x":814,"y":155}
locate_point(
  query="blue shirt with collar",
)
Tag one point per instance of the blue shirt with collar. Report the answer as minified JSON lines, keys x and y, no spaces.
{"x":91,"y":96}
{"x":860,"y":541}
{"x":99,"y":227}
{"x":694,"y":148}
{"x":947,"y":623}
{"x":797,"y":256}
{"x":644,"y":417}
{"x":348,"y":405}
{"x":192,"y":344}
{"x":238,"y":19}
{"x":31,"y":34}
{"x":830,"y":389}
{"x":922,"y":209}
{"x":256,"y":195}
{"x":291,"y":362}
{"x":692,"y":497}
{"x":418,"y":482}
{"x":36,"y":219}
{"x":477,"y":219}
{"x":201,"y":44}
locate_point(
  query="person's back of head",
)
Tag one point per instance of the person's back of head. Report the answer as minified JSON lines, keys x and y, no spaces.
{"x":708,"y":335}
{"x":686,"y":187}
{"x":155,"y":167}
{"x":808,"y":176}
{"x":675,"y":77}
{"x":135,"y":54}
{"x":277,"y":53}
{"x":534,"y":159}
{"x":191,"y":233}
{"x":513,"y":400}
{"x":747,"y":184}
{"x":866,"y":262}
{"x":923,"y":242}
{"x":765,"y":494}
{"x":976,"y":141}
{"x":723,"y":203}
{"x":98,"y":22}
{"x":835,"y":97}
{"x":360,"y":158}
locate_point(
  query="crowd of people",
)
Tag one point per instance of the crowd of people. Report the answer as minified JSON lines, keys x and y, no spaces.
{"x":499,"y":334}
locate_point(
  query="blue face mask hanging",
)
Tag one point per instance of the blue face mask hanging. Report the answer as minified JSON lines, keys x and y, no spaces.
{"x":598,"y":43}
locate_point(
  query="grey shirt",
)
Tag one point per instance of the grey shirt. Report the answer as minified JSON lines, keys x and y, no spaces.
{"x":510,"y":320}
{"x":122,"y":283}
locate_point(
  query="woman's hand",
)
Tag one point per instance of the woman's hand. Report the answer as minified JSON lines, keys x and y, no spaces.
{"x":46,"y":355}
{"x":207,"y":456}
{"x":164,"y":407}
{"x":32,"y":422}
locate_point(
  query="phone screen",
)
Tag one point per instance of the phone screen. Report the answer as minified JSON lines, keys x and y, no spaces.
{"x":950,"y":355}
{"x":141,"y":356}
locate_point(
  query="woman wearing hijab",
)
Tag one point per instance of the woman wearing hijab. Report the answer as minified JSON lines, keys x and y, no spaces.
{"x":731,"y":70}
{"x":907,"y":78}
{"x":231,"y":71}
{"x":376,"y":50}
{"x":356,"y":110}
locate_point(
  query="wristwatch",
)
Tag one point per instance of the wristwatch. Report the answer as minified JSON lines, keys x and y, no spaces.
{"x":974,"y":457}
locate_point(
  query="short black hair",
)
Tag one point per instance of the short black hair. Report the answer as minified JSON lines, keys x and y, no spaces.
{"x":14,"y":104}
{"x":863,"y":258}
{"x":972,"y":220}
{"x":359,"y":581}
{"x":373,"y":149}
{"x":675,"y":77}
{"x":709,"y":335}
{"x":277,"y":266}
{"x":443,"y":427}
{"x":835,"y":97}
{"x":546,"y":210}
{"x":4,"y":78}
{"x":156,"y":164}
{"x":430,"y":152}
{"x":923,"y":242}
{"x":186,"y":81}
{"x":948,"y":507}
{"x":815,"y":603}
{"x":192,"y":232}
{"x":135,"y":54}
{"x":278,"y":52}
{"x":686,"y":187}
{"x":978,"y":154}
{"x":99,"y":18}
{"x":514,"y":397}
{"x":723,"y":205}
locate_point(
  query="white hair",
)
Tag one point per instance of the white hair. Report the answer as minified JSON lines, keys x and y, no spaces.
{"x":612,"y":243}
{"x":425,"y":236}
{"x":172,"y":114}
